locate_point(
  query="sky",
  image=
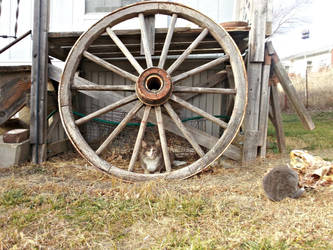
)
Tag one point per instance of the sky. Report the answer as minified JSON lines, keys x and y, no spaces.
{"x":320,"y":12}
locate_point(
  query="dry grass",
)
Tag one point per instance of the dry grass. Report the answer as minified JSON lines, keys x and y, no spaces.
{"x":65,"y":204}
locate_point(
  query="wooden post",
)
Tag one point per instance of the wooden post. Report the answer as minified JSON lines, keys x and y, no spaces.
{"x":39,"y":77}
{"x":275,"y":102}
{"x":264,"y":104}
{"x":254,"y":69}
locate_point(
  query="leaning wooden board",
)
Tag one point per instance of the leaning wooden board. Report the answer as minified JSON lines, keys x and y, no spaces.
{"x":15,"y":83}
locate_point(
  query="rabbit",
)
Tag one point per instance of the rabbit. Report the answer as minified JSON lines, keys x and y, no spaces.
{"x":151,"y":157}
{"x":282,"y":182}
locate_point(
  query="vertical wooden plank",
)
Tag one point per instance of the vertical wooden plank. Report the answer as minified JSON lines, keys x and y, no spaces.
{"x":150,"y":26}
{"x":39,"y":77}
{"x":269,"y":17}
{"x":254,"y":70}
{"x":275,"y":102}
{"x":264,"y":105}
{"x":258,"y":31}
{"x":251,"y":122}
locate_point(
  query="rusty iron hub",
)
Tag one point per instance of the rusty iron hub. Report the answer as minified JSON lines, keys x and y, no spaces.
{"x":154,"y":86}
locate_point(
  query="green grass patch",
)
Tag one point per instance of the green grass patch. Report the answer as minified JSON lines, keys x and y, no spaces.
{"x":297,"y":137}
{"x":13,"y":198}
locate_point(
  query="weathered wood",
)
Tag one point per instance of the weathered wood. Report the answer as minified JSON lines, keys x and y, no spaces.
{"x":182,"y":89}
{"x":199,"y":69}
{"x":38,"y":121}
{"x":167,"y":42}
{"x":14,"y":91}
{"x":202,"y":138}
{"x":231,"y":84}
{"x":107,"y":109}
{"x":275,"y":102}
{"x":188,"y":51}
{"x":254,"y":72}
{"x":126,"y":52}
{"x":199,"y":111}
{"x":218,"y":146}
{"x":61,"y":43}
{"x":119,"y":127}
{"x":251,"y":142}
{"x":258,"y":31}
{"x":110,"y":66}
{"x":145,"y":40}
{"x":264,"y":104}
{"x":150,"y":26}
{"x":104,"y":87}
{"x":269,"y":18}
{"x":139,"y":138}
{"x":53,"y":126}
{"x":289,"y":89}
{"x":182,"y":128}
{"x":16,"y":135}
{"x":211,"y":82}
{"x":161,"y":132}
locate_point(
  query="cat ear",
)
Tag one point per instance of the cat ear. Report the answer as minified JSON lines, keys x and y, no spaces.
{"x":143,"y":144}
{"x":158,"y":143}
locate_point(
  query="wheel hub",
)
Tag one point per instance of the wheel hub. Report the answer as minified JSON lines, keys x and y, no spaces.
{"x":154,"y":86}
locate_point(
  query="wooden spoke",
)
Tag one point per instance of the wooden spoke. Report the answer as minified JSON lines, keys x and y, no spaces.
{"x":139,"y":138}
{"x":120,"y":127}
{"x":103,"y":87}
{"x":106,"y":109}
{"x":188,"y":51}
{"x":183,"y":89}
{"x":167,"y":41}
{"x":199,"y":69}
{"x":195,"y":109}
{"x":145,"y":42}
{"x":163,"y":140}
{"x":189,"y":137}
{"x":125,"y":51}
{"x":110,"y":66}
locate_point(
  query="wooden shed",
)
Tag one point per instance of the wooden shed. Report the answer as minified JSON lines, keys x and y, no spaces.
{"x":187,"y":86}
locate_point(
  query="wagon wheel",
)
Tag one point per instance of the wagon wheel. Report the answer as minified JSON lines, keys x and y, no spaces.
{"x":154,"y":88}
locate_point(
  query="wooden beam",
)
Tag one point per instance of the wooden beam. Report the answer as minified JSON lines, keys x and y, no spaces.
{"x":150,"y":27}
{"x":275,"y":102}
{"x":264,"y":104}
{"x":39,"y":75}
{"x":289,"y":89}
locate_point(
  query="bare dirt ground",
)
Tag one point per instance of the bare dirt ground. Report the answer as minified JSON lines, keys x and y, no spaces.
{"x":67,"y":204}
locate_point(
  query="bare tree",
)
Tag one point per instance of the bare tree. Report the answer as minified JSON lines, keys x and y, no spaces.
{"x":288,"y":14}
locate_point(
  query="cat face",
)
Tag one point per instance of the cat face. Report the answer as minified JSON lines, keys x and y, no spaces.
{"x":151,"y":151}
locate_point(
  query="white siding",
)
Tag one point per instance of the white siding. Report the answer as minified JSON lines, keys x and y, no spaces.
{"x":68,"y":15}
{"x":21,"y":52}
